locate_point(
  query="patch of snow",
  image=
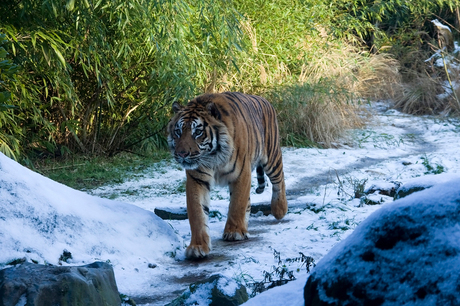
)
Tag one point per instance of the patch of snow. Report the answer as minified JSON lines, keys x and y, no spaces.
{"x":41,"y":218}
{"x":437,"y":23}
{"x":201,"y":296}
{"x":429,"y":180}
{"x":227,"y":286}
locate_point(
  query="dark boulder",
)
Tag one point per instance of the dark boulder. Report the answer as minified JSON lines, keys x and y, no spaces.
{"x":406,"y":253}
{"x":42,"y":285}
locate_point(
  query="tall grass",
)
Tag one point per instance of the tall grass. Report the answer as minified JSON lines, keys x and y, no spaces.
{"x":314,"y":115}
{"x":313,"y":79}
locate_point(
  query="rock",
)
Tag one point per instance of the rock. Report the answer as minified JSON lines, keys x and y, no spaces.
{"x":383,"y":188}
{"x":404,"y":191}
{"x":265,"y":208}
{"x":167,"y":213}
{"x":422,"y":183}
{"x":32,"y":284}
{"x":406,"y":253}
{"x":218,"y":290}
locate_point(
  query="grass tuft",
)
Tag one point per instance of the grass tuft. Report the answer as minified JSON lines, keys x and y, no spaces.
{"x":313,"y":115}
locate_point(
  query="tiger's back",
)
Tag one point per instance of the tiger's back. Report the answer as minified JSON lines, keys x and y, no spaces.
{"x":220,"y":139}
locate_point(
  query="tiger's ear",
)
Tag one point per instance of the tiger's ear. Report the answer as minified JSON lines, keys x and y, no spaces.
{"x":176,"y":107}
{"x":213,"y":110}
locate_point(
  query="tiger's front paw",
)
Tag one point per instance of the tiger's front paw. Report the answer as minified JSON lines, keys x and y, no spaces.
{"x":235,"y":236}
{"x":197,"y":251}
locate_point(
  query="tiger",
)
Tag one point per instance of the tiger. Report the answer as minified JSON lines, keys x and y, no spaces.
{"x":219,"y":139}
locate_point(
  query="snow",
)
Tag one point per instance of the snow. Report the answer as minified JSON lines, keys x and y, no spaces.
{"x":431,"y":254}
{"x":440,"y":25}
{"x":40,"y":218}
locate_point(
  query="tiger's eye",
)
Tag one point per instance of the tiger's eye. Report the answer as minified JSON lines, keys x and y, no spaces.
{"x":198,"y":133}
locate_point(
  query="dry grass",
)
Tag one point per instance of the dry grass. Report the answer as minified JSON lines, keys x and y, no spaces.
{"x":316,"y":102}
{"x":313,"y":115}
{"x":419,"y":96}
{"x":378,"y":77}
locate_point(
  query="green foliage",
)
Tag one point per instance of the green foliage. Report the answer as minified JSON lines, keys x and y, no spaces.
{"x":99,"y":76}
{"x":383,"y":22}
{"x":9,"y":131}
{"x":432,"y":169}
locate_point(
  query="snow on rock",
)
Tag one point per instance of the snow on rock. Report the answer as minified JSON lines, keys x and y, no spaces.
{"x":40,"y":218}
{"x":423,"y":182}
{"x":406,"y":253}
{"x":216,"y":290}
{"x":290,"y":294}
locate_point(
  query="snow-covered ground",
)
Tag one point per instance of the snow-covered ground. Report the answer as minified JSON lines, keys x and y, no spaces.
{"x":321,"y":183}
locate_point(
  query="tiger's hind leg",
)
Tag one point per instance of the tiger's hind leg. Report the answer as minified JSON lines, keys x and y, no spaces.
{"x":274,"y":170}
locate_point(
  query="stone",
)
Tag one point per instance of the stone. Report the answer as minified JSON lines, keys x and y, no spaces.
{"x":217,"y":290}
{"x":167,"y":213}
{"x":406,"y":253}
{"x":404,"y":191}
{"x":383,"y":188}
{"x":46,"y":285}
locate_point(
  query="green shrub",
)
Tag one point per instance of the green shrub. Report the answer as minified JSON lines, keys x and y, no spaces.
{"x":9,"y":130}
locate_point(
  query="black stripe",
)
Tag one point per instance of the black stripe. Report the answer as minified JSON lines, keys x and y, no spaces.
{"x":201,"y":182}
{"x":276,"y":182}
{"x":205,"y":209}
{"x":242,"y":166}
{"x":234,"y":164}
{"x":202,"y":172}
{"x":273,"y":169}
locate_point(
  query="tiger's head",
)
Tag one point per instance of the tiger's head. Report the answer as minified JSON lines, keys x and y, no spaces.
{"x":197,"y":136}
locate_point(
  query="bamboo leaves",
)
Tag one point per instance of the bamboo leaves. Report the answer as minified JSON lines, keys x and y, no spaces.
{"x":96,"y":74}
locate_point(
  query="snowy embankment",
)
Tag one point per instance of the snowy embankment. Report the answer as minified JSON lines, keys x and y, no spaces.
{"x":40,"y":219}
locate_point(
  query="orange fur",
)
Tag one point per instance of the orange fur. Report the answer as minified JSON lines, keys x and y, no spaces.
{"x":220,"y":139}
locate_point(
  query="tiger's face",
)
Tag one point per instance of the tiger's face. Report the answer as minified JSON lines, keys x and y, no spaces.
{"x":195,"y":137}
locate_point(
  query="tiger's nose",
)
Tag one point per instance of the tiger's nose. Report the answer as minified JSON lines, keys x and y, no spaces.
{"x":182,"y":154}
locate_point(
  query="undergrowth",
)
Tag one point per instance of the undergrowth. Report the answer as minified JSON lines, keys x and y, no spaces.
{"x":83,"y":173}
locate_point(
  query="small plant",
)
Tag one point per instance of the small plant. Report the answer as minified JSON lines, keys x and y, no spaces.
{"x":436,"y":169}
{"x":215,"y":214}
{"x":65,"y":256}
{"x":126,"y":300}
{"x":280,"y":274}
{"x":343,"y":225}
{"x":358,"y":187}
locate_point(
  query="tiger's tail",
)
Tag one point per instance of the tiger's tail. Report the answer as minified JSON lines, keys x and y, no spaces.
{"x":260,"y":179}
